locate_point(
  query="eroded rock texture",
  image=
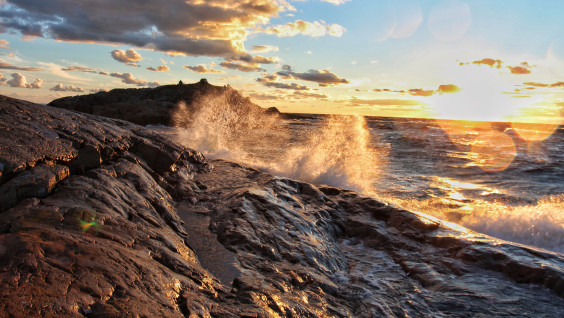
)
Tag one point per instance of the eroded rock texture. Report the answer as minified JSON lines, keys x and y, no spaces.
{"x":103,"y":218}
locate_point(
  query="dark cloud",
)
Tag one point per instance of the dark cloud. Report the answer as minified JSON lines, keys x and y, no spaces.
{"x":192,"y":27}
{"x":127,"y":78}
{"x":18,"y":80}
{"x":202,"y":69}
{"x":161,"y":68}
{"x":129,"y":57}
{"x":322,"y":78}
{"x":242,"y":66}
{"x":71,"y":88}
{"x":7,"y":66}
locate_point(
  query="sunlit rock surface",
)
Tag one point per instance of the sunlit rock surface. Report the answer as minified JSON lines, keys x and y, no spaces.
{"x":103,"y":218}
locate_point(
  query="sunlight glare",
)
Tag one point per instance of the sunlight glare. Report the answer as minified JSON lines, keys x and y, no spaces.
{"x":493,"y":151}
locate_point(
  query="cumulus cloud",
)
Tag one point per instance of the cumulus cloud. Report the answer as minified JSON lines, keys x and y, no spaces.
{"x":128,"y":78}
{"x":129,"y":57}
{"x":242,"y":66}
{"x":485,"y":61}
{"x":322,"y":78}
{"x":524,"y":68}
{"x":448,"y":88}
{"x":421,"y":92}
{"x":161,"y":68}
{"x":7,"y":66}
{"x":70,"y":88}
{"x":202,"y":69}
{"x":18,"y":80}
{"x":253,"y":59}
{"x":271,"y":81}
{"x":192,"y":27}
{"x":306,"y":28}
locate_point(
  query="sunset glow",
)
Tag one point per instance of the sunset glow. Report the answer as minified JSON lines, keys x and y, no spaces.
{"x":450,"y":59}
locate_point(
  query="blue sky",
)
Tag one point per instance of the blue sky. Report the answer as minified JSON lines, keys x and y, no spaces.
{"x":475,"y":60}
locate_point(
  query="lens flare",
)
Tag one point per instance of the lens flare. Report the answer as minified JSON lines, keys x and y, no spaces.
{"x":537,"y":122}
{"x":493,"y":151}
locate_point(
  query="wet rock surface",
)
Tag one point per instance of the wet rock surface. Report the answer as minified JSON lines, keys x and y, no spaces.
{"x":103,"y":218}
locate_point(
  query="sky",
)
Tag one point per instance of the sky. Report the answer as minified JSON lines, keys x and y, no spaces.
{"x":471,"y":60}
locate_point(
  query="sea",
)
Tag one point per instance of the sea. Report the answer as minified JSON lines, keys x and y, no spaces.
{"x":505,"y":180}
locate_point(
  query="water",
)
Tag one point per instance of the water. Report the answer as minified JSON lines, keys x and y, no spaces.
{"x":484,"y":176}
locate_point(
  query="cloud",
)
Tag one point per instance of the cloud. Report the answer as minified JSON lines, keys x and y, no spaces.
{"x":243,"y":67}
{"x":485,"y":61}
{"x":323,"y":78}
{"x":384,"y":102}
{"x":161,"y":68}
{"x":301,"y":94}
{"x":271,"y":81}
{"x":129,"y":57}
{"x":202,"y":69}
{"x":71,"y":88}
{"x":7,"y":66}
{"x":127,"y":78}
{"x":524,"y":68}
{"x":4,"y":44}
{"x":313,"y":29}
{"x":80,"y":69}
{"x":264,"y":48}
{"x":18,"y":80}
{"x":421,"y":92}
{"x":256,"y":59}
{"x":443,"y":89}
{"x":536,"y":84}
{"x":293,"y":86}
{"x":448,"y":88}
{"x":191,"y":27}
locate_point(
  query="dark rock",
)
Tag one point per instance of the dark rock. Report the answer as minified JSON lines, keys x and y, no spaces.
{"x":153,"y":106}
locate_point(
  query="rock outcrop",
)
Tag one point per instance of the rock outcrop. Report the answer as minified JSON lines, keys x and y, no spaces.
{"x":103,"y":218}
{"x":154,"y":106}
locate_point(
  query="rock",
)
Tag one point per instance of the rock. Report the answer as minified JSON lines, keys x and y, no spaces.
{"x":103,"y":218}
{"x":153,"y":106}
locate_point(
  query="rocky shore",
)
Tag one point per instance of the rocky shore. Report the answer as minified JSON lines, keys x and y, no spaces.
{"x":101,"y":217}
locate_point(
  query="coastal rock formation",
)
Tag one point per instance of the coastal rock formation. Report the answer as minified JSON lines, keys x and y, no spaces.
{"x":154,"y":106}
{"x":103,"y":218}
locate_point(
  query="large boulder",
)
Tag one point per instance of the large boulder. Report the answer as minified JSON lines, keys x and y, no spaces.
{"x":157,"y":105}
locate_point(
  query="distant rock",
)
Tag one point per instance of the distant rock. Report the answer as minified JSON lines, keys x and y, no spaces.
{"x":153,"y":106}
{"x":104,"y":218}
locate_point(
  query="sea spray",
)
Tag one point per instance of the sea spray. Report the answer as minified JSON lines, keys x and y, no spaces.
{"x":340,"y":153}
{"x":227,"y":126}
